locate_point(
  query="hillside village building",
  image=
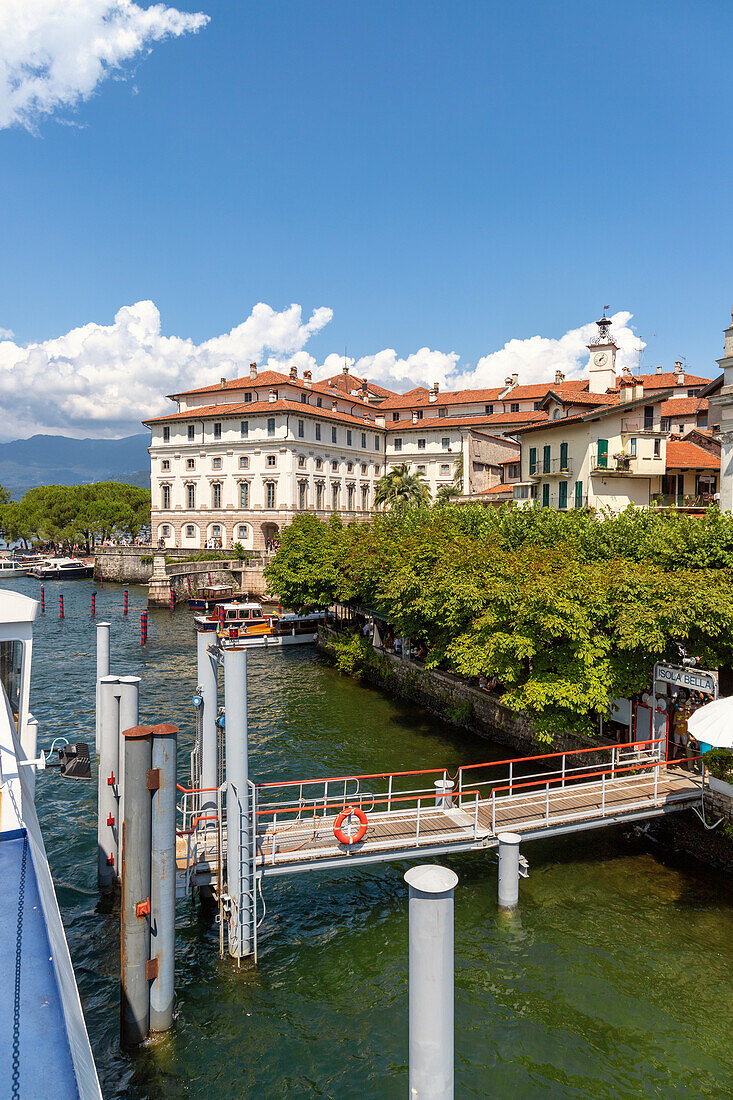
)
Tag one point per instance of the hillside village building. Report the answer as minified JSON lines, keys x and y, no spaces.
{"x":236,"y":461}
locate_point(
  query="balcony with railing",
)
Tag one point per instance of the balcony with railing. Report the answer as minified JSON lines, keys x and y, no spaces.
{"x":637,"y":425}
{"x":556,"y":467}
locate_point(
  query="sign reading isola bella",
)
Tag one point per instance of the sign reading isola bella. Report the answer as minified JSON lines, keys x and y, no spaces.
{"x":694,"y":679}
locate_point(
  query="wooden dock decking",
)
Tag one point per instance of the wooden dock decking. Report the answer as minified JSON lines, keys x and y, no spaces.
{"x":307,"y":842}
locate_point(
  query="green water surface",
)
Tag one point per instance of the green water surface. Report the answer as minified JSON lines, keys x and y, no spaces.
{"x":613,"y":980}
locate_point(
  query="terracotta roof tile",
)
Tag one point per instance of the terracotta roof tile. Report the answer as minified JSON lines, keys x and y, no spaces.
{"x":213,"y":412}
{"x":683,"y":455}
{"x":684,"y":406}
{"x":666,"y":381}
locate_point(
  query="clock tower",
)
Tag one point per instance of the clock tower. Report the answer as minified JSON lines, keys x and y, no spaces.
{"x":602,"y":358}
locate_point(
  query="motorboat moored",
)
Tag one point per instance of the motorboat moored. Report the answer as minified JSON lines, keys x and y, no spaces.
{"x":59,"y":569}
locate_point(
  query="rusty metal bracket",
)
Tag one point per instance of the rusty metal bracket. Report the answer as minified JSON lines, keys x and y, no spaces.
{"x":142,"y":909}
{"x":153,"y":779}
{"x":151,"y":969}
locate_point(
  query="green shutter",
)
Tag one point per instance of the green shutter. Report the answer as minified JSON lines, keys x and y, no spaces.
{"x":578,"y":494}
{"x":563,"y":456}
{"x":546,"y":459}
{"x":603,"y":452}
{"x":562,"y":495}
{"x":532,"y":460}
{"x":546,"y":495}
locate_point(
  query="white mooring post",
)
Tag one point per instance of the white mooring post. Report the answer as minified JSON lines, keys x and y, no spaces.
{"x":108,"y":823}
{"x":102,"y":670}
{"x":163,"y":878}
{"x":239,"y":885}
{"x":135,"y":906}
{"x":207,"y":669}
{"x":129,"y":716}
{"x":431,"y":890}
{"x":509,"y":870}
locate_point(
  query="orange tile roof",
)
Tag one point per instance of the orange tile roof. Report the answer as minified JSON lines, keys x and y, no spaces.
{"x":267,"y":379}
{"x":683,"y":455}
{"x":684,"y":406}
{"x":348,"y":382}
{"x":465,"y":421}
{"x":497,"y":489}
{"x":421,"y":398}
{"x":666,"y":381}
{"x":213,"y":412}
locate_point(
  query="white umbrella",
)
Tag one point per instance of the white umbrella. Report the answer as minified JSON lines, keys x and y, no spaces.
{"x":713,"y":723}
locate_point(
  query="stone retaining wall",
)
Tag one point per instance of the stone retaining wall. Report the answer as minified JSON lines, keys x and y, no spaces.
{"x":461,"y":704}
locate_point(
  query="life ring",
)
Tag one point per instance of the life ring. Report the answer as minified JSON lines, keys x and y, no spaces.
{"x":343,"y":837}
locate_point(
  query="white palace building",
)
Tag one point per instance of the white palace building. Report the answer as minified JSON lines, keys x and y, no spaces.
{"x":234,"y":462}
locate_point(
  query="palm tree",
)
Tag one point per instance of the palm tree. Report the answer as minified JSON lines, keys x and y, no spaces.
{"x":401,"y":489}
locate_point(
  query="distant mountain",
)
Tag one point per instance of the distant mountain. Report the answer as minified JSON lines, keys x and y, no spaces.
{"x":59,"y":460}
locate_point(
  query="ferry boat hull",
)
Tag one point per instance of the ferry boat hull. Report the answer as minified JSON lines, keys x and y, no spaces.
{"x":269,"y":641}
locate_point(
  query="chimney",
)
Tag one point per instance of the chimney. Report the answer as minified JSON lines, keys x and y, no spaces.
{"x":414,"y":417}
{"x":293,"y":373}
{"x":345,"y":369}
{"x":659,"y":369}
{"x":559,"y":378}
{"x":307,"y":378}
{"x":253,"y":370}
{"x":434,"y":392}
{"x":638,"y":391}
{"x":515,"y":379}
{"x":508,"y":381}
{"x":223,"y":383}
{"x":626,"y":391}
{"x":379,"y":420}
{"x":680,"y":374}
{"x":334,"y":406}
{"x":272,"y":396}
{"x":364,"y":389}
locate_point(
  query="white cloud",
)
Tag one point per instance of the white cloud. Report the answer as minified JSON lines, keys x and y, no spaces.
{"x":536,"y":358}
{"x":54,"y":53}
{"x":104,"y":379}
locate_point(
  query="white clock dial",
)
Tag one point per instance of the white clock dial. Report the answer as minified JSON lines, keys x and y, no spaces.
{"x":600,"y":359}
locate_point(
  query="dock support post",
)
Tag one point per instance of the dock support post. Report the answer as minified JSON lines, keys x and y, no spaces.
{"x":509,"y":870}
{"x":239,"y":886}
{"x":431,"y":890}
{"x":207,"y":669}
{"x":163,"y":878}
{"x":129,"y":716}
{"x":108,"y":824}
{"x":102,"y":670}
{"x":135,"y":908}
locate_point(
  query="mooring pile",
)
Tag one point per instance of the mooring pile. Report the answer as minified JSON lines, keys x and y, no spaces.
{"x":136,"y":845}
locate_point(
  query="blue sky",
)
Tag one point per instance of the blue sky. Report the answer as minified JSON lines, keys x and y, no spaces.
{"x":451,"y":175}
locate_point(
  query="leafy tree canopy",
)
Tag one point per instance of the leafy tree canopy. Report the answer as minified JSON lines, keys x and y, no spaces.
{"x":73,"y":514}
{"x":566,"y":610}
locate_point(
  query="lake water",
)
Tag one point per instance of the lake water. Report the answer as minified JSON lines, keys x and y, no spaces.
{"x":612,"y":980}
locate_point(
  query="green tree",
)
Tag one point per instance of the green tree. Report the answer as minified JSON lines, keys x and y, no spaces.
{"x":399,"y":488}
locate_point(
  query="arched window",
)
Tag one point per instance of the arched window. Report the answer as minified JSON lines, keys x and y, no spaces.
{"x":242,"y":531}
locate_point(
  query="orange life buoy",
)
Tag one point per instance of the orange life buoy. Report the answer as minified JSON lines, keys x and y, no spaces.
{"x":343,"y":837}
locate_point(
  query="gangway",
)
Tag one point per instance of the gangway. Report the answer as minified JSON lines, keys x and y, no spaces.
{"x":430,"y":813}
{"x":233,"y":833}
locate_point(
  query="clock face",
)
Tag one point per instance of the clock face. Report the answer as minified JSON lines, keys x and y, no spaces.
{"x":600,"y":359}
